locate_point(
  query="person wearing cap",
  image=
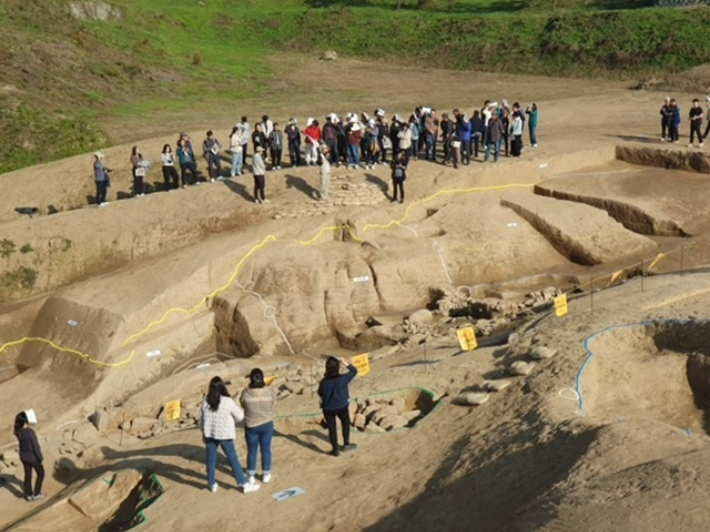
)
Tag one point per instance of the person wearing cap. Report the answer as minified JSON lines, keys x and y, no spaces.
{"x":259,"y":171}
{"x":258,"y":401}
{"x":293,"y":134}
{"x":354,"y":138}
{"x":324,"y":173}
{"x":187,"y":161}
{"x":101,"y":178}
{"x":139,"y":172}
{"x":313,"y":136}
{"x":210,"y":149}
{"x":330,"y":137}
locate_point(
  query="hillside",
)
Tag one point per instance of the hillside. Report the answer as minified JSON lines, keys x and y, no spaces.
{"x":72,"y":83}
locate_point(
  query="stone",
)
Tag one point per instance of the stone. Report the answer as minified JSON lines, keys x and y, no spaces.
{"x":521,"y":368}
{"x":359,"y":421}
{"x":374,"y":428}
{"x":329,"y":55}
{"x":495,"y":386}
{"x":399,"y":403}
{"x":100,"y":11}
{"x":421,"y":317}
{"x":474,"y":399}
{"x":411,"y":415}
{"x":382,"y":413}
{"x":390,"y":422}
{"x":541,"y":352}
{"x":11,"y":457}
{"x":100,"y":419}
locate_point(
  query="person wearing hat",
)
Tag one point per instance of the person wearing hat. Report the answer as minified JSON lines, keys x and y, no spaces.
{"x":30,"y":456}
{"x":293,"y":134}
{"x":354,"y":138}
{"x":330,"y":137}
{"x":258,"y":402}
{"x":101,"y":178}
{"x":259,"y":171}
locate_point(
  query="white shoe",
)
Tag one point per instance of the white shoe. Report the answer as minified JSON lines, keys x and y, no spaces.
{"x":267,"y":201}
{"x":534,"y":145}
{"x":103,"y":204}
{"x":663,"y":139}
{"x":213,"y":488}
{"x":198,"y":183}
{"x":184,"y":186}
{"x":251,"y":479}
{"x":266,"y":478}
{"x":248,"y":488}
{"x":212,"y":180}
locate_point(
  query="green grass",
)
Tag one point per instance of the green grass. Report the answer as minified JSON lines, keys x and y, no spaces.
{"x":170,"y":55}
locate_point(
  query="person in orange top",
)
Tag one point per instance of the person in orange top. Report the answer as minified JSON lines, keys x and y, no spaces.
{"x":313,"y":136}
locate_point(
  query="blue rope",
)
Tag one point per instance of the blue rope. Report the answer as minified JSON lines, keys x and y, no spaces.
{"x":590,"y":353}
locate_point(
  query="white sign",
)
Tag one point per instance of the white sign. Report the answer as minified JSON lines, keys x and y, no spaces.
{"x":154,"y":353}
{"x":362,"y":279}
{"x":288,"y":494}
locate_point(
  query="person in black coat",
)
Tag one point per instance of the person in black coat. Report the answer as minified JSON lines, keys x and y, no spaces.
{"x":30,"y":456}
{"x":333,"y":391}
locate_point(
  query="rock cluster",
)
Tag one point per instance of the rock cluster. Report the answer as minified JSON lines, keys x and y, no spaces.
{"x":380,"y":414}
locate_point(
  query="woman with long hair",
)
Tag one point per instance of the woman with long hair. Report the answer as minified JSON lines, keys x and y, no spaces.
{"x":218,"y":424}
{"x":258,"y":401}
{"x":170,"y":174}
{"x":333,"y":391}
{"x":138,"y":171}
{"x":30,"y":456}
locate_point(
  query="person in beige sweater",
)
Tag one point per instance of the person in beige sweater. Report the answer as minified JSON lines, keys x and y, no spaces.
{"x":258,"y":402}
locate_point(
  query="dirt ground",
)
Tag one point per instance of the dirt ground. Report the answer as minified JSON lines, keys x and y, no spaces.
{"x":617,"y":444}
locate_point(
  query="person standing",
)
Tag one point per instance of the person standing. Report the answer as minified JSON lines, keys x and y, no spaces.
{"x":675,"y":122}
{"x":447,"y":129}
{"x":330,"y":137}
{"x":696,"y":123}
{"x":354,"y":138}
{"x":258,"y":402}
{"x":494,"y":135}
{"x":431,"y":125}
{"x":399,"y":176}
{"x":532,"y":113}
{"x":465,"y":132}
{"x":666,"y":113}
{"x":414,"y":134}
{"x":516,"y":129}
{"x":218,"y":425}
{"x":187,"y":163}
{"x":259,"y":170}
{"x":404,"y":138}
{"x":324,"y":173}
{"x":138,"y":172}
{"x":101,"y":178}
{"x":707,"y":116}
{"x":478,"y":130}
{"x":293,"y":134}
{"x":236,"y":147}
{"x":313,"y":136}
{"x":335,"y":399}
{"x":245,"y":129}
{"x":276,"y":143}
{"x":30,"y":456}
{"x":170,"y":175}
{"x":267,"y":126}
{"x":211,"y":148}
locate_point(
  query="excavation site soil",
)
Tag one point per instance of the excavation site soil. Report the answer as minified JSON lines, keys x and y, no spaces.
{"x":581,"y":266}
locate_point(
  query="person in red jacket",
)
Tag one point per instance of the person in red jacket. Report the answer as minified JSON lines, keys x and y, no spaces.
{"x":30,"y":456}
{"x":313,"y":136}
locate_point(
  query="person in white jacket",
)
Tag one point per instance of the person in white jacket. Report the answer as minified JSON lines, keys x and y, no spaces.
{"x":220,"y":414}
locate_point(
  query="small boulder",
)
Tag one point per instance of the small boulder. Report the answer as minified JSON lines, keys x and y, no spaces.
{"x":521,"y":368}
{"x":495,"y":386}
{"x":474,"y":399}
{"x":541,"y":352}
{"x":412,"y":414}
{"x":374,"y":428}
{"x":329,"y":55}
{"x":359,"y":421}
{"x":421,"y":317}
{"x":399,"y":403}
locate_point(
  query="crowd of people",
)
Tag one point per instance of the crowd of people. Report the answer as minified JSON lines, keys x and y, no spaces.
{"x":671,"y":118}
{"x":352,"y":140}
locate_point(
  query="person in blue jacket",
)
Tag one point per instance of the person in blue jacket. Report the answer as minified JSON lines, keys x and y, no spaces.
{"x":465,"y":137}
{"x":333,"y":391}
